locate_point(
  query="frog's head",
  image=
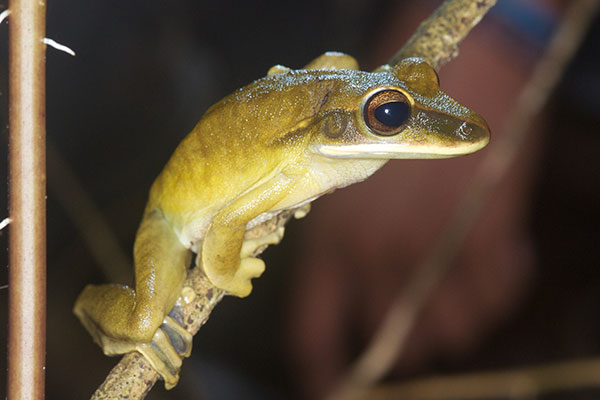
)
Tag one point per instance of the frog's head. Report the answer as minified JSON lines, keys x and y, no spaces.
{"x":400,"y":113}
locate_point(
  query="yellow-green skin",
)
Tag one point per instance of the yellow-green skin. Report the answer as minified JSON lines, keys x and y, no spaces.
{"x":274,"y":145}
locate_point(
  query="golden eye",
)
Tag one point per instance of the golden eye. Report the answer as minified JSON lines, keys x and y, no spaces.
{"x":386,"y":112}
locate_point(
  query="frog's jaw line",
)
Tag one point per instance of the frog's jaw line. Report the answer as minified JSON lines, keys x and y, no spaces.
{"x":395,"y":151}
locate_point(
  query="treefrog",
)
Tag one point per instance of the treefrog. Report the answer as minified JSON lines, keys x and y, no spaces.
{"x":274,"y":145}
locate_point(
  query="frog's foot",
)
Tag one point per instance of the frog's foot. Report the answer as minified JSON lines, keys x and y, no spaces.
{"x":240,"y":284}
{"x":302,"y":211}
{"x":250,"y":246}
{"x":236,"y":280}
{"x":170,"y":343}
{"x":250,"y":267}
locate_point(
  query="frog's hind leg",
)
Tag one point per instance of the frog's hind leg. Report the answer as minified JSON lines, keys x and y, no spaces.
{"x":122,"y":319}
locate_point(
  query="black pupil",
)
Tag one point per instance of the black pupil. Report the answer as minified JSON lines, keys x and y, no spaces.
{"x":392,"y":114}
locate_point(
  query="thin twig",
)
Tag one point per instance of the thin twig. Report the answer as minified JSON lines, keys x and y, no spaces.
{"x":27,"y":240}
{"x":437,"y":39}
{"x":388,"y":342}
{"x":524,"y":383}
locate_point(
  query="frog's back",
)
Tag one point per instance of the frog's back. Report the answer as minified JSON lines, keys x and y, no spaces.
{"x":248,"y":137}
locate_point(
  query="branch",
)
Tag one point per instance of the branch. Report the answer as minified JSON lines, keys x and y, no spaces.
{"x":436,"y":40}
{"x":133,"y":376}
{"x":389,"y":341}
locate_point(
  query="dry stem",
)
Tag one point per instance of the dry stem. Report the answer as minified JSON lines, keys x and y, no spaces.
{"x":27,"y":180}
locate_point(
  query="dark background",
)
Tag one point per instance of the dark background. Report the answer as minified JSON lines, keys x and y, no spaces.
{"x":144,"y":73}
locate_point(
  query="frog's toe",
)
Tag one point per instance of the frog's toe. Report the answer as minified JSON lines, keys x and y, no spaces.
{"x":180,"y":339}
{"x":240,"y":284}
{"x":170,"y":343}
{"x":250,"y":246}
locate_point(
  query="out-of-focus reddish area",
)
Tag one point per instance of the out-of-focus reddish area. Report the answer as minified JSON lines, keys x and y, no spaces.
{"x":522,"y":291}
{"x":367,"y":241}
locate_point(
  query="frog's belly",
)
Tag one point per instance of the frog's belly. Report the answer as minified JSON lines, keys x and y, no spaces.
{"x":192,"y":235}
{"x":305,"y":191}
{"x":266,"y":216}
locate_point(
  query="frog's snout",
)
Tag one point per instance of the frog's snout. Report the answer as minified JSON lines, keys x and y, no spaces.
{"x":471,"y":131}
{"x":448,"y":136}
{"x":480,"y":130}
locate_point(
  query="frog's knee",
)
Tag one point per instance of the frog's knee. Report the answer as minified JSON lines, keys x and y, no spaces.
{"x":101,"y":308}
{"x":94,"y":297}
{"x":143,"y":322}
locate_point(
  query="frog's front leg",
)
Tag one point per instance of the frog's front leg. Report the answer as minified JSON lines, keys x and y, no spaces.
{"x":226,"y":257}
{"x":122,"y":319}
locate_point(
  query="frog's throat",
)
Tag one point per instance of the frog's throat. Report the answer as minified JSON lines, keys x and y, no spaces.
{"x":396,"y":150}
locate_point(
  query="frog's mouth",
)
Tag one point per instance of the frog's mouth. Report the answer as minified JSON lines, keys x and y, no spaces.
{"x":397,"y":150}
{"x":431,"y":134}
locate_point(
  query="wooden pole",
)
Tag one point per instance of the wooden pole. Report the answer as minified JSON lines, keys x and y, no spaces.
{"x":27,"y":185}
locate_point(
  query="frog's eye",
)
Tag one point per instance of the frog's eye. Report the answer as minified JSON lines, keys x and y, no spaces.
{"x":386,"y":112}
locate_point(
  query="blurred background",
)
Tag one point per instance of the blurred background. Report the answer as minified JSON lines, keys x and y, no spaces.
{"x":524,"y":290}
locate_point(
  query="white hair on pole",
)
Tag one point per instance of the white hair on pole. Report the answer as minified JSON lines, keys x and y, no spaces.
{"x":4,"y":14}
{"x":4,"y":223}
{"x":58,"y":46}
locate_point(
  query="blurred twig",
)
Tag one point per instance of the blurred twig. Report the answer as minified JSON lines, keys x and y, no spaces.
{"x":523,"y":383}
{"x":388,"y":343}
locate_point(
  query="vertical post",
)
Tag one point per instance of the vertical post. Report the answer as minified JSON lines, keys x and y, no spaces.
{"x":27,"y":186}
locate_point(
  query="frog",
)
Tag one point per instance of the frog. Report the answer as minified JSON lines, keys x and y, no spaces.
{"x":270,"y":147}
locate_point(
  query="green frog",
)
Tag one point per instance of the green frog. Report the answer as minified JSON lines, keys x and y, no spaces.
{"x":274,"y":145}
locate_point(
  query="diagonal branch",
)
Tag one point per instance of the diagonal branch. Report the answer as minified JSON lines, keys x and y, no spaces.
{"x":437,"y":39}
